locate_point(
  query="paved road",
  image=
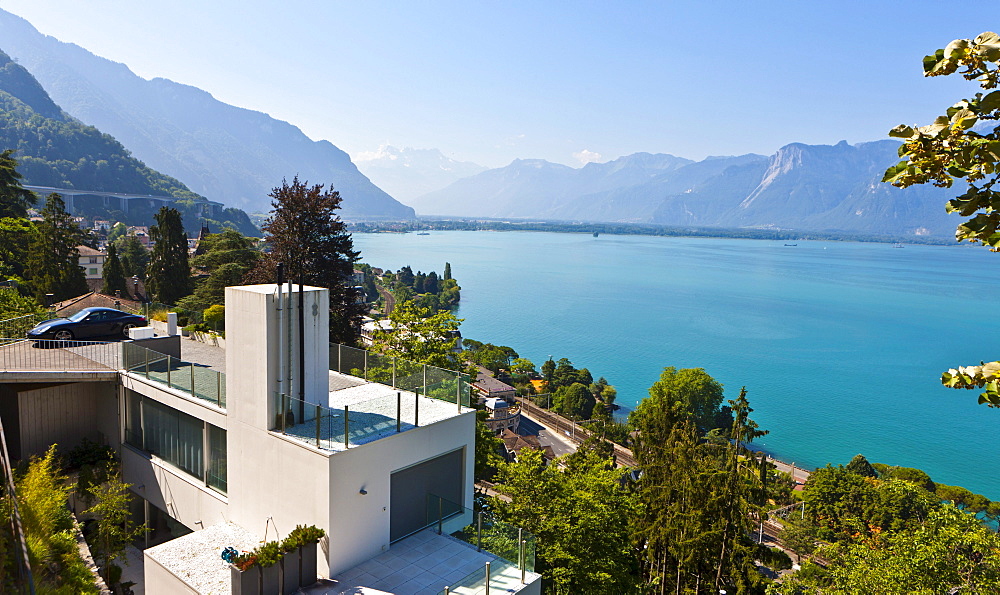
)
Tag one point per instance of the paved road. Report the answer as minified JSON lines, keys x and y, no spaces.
{"x":561,"y":445}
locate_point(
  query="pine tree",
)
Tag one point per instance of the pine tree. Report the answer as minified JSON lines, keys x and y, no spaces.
{"x":169,"y":272}
{"x":114,"y":274}
{"x":307,"y":235}
{"x":14,"y":199}
{"x":53,"y":258}
{"x":134,"y":256}
{"x":447,"y":271}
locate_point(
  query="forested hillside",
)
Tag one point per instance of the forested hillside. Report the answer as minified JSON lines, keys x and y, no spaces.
{"x":229,"y":154}
{"x":54,"y":149}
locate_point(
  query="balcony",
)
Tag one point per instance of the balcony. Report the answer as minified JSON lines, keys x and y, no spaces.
{"x":371,"y":397}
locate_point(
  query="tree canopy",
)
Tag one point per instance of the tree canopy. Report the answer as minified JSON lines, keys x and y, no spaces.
{"x":961,"y":144}
{"x":307,"y":235}
{"x":53,"y":257}
{"x":698,"y":393}
{"x":14,"y":199}
{"x":169,"y":274}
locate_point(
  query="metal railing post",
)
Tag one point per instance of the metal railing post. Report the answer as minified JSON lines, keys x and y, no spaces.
{"x":284,"y":408}
{"x":458,"y":391}
{"x":416,"y":410}
{"x":520,"y":547}
{"x":319,"y":420}
{"x":399,"y":408}
{"x":193,"y":393}
{"x":440,"y":513}
{"x":425,"y":380}
{"x":168,"y":371}
{"x":479,"y":532}
{"x":218,"y":390}
{"x":347,"y":427}
{"x":487,"y":578}
{"x":524,"y":560}
{"x":447,"y":591}
{"x":394,"y":385}
{"x":147,"y":362}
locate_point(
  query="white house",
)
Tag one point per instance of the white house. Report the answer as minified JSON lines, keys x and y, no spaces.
{"x":290,"y":431}
{"x":92,"y":262}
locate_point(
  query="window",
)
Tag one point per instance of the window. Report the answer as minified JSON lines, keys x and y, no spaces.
{"x":92,"y":271}
{"x":177,"y":438}
{"x":93,"y":260}
{"x":216,"y":476}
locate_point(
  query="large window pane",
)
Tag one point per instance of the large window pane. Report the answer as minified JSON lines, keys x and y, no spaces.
{"x":174,"y":437}
{"x":133,"y":419}
{"x":217,"y":458}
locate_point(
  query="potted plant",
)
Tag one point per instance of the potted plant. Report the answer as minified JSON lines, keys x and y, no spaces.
{"x":306,"y":538}
{"x":290,"y":565}
{"x":256,"y":572}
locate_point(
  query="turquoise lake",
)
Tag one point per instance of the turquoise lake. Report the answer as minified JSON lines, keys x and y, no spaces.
{"x":840,"y":345}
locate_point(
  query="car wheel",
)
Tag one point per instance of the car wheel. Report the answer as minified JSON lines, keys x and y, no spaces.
{"x":63,"y":335}
{"x":126,"y":328}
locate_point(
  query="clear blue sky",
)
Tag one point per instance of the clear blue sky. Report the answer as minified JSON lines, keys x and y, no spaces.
{"x":490,"y":82}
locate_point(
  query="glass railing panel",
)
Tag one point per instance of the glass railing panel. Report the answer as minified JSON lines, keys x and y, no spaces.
{"x":194,"y":379}
{"x":482,"y":530}
{"x":504,"y":577}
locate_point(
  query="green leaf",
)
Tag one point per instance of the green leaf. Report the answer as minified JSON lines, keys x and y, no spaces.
{"x":904,"y":131}
{"x":990,"y":102}
{"x":931,"y":62}
{"x":893,"y":172}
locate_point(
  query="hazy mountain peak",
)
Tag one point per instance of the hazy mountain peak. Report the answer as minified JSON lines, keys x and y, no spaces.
{"x":410,"y":172}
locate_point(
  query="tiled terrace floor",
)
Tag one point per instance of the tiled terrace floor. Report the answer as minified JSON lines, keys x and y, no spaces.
{"x":373,"y":412}
{"x":424,"y":563}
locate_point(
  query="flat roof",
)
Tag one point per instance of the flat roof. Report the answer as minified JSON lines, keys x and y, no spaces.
{"x":196,"y":558}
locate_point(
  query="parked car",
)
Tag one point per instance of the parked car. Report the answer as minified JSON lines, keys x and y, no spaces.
{"x":86,"y":324}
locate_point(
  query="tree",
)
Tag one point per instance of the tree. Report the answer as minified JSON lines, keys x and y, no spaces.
{"x":959,"y":145}
{"x":169,"y":274}
{"x":115,"y":528}
{"x":307,"y":235}
{"x":574,"y":401}
{"x":227,"y":257}
{"x":950,"y":552}
{"x":487,"y":447}
{"x":114,"y":274}
{"x":419,"y":335}
{"x":699,"y":394}
{"x":118,"y":230}
{"x":14,"y":199}
{"x":134,"y":256}
{"x":15,"y":235}
{"x":859,"y":465}
{"x":447,"y":271}
{"x":13,"y":304}
{"x":53,"y":258}
{"x":580,"y":517}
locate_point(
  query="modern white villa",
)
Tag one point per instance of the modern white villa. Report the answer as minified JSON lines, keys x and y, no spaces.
{"x":227,"y":448}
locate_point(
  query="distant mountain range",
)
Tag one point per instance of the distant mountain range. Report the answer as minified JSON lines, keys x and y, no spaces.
{"x":408,"y":173}
{"x":806,"y":187}
{"x":228,"y":154}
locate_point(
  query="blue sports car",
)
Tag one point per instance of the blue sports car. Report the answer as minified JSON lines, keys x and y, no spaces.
{"x":86,"y":324}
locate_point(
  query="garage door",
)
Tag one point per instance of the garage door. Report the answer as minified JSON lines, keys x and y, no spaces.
{"x":441,"y":476}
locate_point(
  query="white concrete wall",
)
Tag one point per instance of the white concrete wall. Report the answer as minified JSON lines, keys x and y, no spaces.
{"x":359,"y":524}
{"x":275,"y":483}
{"x":65,"y":414}
{"x":252,"y":340}
{"x":182,"y":496}
{"x":160,"y":581}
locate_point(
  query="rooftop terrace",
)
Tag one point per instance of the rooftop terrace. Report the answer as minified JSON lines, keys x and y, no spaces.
{"x":370,"y":396}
